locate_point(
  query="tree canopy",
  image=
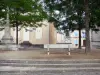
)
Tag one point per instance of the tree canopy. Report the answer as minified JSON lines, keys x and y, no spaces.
{"x":74,"y":14}
{"x":22,"y":13}
{"x":27,"y":12}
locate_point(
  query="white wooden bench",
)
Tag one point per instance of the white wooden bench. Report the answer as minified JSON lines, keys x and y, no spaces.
{"x":61,"y":45}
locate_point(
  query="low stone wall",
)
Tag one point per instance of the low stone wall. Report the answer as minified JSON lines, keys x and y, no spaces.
{"x":95,"y":45}
{"x":9,"y":47}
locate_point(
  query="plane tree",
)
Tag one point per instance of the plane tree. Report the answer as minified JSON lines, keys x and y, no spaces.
{"x":70,"y":16}
{"x":23,"y":13}
{"x":74,"y":14}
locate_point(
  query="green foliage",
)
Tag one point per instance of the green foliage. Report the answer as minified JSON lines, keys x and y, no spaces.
{"x":23,"y":12}
{"x":69,"y":16}
{"x":73,"y":13}
{"x":94,"y":6}
{"x":1,"y":29}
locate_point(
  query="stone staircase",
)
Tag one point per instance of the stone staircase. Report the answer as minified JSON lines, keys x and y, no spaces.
{"x":50,"y":67}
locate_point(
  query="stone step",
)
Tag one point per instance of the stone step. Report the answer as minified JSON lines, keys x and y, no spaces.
{"x":25,"y":69}
{"x":52,"y":73}
{"x":51,"y":65}
{"x":51,"y":61}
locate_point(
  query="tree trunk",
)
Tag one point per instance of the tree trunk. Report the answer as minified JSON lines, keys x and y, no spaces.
{"x":79,"y":38}
{"x":79,"y":27}
{"x":87,"y":19}
{"x":16,"y":34}
{"x":16,"y":19}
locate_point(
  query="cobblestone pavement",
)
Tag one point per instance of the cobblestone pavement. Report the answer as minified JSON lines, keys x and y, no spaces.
{"x":37,"y":62}
{"x":52,"y":73}
{"x":50,"y":67}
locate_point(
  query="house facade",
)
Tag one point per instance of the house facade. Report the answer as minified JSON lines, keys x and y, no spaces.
{"x":47,"y":34}
{"x":95,"y":39}
{"x":74,"y":38}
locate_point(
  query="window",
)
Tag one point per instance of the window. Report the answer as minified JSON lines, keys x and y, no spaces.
{"x":38,"y":33}
{"x":76,"y":34}
{"x":76,"y":42}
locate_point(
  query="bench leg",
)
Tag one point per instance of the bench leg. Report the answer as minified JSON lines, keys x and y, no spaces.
{"x":68,"y":53}
{"x":69,"y":50}
{"x":48,"y":53}
{"x":48,"y":50}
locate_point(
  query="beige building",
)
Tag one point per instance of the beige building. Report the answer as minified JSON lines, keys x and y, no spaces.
{"x":46,"y":34}
{"x":40,"y":35}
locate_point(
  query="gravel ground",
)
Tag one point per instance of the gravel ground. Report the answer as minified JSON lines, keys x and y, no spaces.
{"x":42,"y":55}
{"x":58,"y":54}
